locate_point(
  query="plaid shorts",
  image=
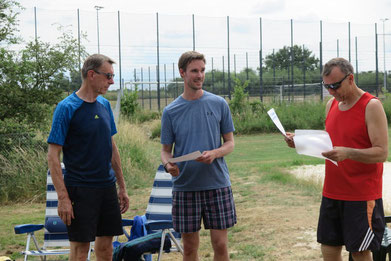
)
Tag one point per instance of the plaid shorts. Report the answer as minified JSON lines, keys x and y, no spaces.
{"x":215,"y":207}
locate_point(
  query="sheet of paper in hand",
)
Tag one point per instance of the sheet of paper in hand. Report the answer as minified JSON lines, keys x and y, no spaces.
{"x":313,"y":143}
{"x":187,"y":157}
{"x":276,"y":120}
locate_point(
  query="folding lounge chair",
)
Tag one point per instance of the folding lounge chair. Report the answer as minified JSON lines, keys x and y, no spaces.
{"x":55,"y":234}
{"x":158,"y":216}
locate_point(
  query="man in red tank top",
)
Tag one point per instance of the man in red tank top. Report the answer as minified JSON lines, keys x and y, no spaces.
{"x":351,"y":211}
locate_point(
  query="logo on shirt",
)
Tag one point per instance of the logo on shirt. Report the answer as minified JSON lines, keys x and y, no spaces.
{"x":96,"y":116}
{"x":209,"y":113}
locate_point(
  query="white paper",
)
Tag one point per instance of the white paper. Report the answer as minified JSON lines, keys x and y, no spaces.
{"x":276,"y":120}
{"x":187,"y":157}
{"x":313,"y":143}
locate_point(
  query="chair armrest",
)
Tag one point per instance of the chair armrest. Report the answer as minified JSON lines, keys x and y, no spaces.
{"x":127,"y":222}
{"x":159,"y":224}
{"x":27,"y":228}
{"x":55,"y":225}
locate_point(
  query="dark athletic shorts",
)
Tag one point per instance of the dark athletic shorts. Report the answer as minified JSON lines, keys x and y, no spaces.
{"x":359,"y":225}
{"x":216,"y":207}
{"x":96,"y":211}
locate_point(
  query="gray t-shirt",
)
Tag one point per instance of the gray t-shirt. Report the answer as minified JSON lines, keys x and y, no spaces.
{"x":197,"y":125}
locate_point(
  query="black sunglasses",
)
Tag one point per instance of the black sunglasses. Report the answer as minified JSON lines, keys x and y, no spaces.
{"x":335,"y":85}
{"x":108,"y":75}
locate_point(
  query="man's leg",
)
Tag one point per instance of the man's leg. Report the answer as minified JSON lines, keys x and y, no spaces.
{"x":362,"y":256}
{"x":79,"y":251}
{"x":331,"y":253}
{"x":191,"y":242}
{"x":219,"y":240}
{"x":103,"y":248}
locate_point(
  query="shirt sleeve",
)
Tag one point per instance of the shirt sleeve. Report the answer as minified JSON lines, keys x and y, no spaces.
{"x":112,"y":120}
{"x":227,"y":124}
{"x":166,"y":134}
{"x":60,"y":125}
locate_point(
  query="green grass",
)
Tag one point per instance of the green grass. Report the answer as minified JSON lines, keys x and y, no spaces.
{"x":258,"y":161}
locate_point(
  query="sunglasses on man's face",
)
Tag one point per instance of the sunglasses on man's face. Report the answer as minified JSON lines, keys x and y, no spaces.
{"x":335,"y":85}
{"x":108,"y":75}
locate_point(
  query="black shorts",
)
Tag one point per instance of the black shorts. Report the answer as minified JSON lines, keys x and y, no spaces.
{"x":359,"y":225}
{"x":96,"y":211}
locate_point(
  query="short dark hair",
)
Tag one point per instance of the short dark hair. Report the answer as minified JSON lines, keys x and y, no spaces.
{"x":344,"y":65}
{"x":93,"y":62}
{"x":188,"y":57}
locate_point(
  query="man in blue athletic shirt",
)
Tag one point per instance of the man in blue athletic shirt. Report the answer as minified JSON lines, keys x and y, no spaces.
{"x":83,"y":128}
{"x":197,"y":120}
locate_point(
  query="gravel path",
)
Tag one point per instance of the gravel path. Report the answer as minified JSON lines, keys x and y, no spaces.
{"x":316,"y":174}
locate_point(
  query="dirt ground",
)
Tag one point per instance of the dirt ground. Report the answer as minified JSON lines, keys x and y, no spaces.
{"x":279,"y":221}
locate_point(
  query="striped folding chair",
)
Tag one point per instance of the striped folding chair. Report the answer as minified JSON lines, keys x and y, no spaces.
{"x":55,"y":231}
{"x":158,"y":219}
{"x":159,"y":208}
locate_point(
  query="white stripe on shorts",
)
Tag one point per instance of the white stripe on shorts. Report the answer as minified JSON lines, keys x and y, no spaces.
{"x":367,"y":240}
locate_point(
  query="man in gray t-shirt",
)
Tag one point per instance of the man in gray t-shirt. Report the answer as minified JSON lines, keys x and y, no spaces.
{"x":197,"y":120}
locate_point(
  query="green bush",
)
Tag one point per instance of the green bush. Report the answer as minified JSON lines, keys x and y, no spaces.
{"x":387,"y":107}
{"x":239,"y":104}
{"x":155,"y":132}
{"x":129,"y":103}
{"x":252,"y":117}
{"x":146,"y":115}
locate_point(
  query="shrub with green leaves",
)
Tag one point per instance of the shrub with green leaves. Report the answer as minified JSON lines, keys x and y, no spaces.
{"x":129,"y":103}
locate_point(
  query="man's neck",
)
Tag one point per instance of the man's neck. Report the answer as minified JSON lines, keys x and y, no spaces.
{"x":86,"y":94}
{"x":352,"y":98}
{"x":190,"y":94}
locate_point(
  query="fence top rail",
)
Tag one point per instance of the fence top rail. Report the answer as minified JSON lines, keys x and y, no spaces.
{"x":139,"y":82}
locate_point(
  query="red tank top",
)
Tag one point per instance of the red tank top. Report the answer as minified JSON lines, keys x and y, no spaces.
{"x":351,"y":180}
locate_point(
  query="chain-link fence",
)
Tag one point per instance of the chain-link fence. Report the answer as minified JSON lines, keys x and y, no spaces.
{"x":147,"y":47}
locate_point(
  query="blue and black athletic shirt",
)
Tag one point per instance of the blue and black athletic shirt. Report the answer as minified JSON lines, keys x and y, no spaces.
{"x":84,"y":131}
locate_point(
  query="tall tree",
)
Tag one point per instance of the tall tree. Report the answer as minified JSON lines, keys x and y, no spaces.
{"x":32,"y":78}
{"x":302,"y":57}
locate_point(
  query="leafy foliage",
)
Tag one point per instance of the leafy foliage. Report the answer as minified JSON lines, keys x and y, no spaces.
{"x":302,"y":57}
{"x":32,"y":79}
{"x":129,"y":103}
{"x":239,"y":104}
{"x":8,"y":20}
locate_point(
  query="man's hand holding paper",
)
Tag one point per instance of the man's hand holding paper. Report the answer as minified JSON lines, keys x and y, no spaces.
{"x":337,"y":154}
{"x":207,"y":157}
{"x":315,"y":143}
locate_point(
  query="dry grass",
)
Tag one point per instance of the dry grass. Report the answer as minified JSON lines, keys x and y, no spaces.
{"x":277,"y":215}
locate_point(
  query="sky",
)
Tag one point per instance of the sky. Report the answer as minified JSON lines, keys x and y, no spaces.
{"x":138,"y":29}
{"x":358,"y":11}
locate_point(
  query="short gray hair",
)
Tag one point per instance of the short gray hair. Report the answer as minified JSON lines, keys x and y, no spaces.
{"x":344,"y":65}
{"x":93,"y":62}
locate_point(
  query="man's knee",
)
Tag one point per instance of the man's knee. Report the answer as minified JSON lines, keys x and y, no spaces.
{"x":103,"y":248}
{"x":331,"y":252}
{"x":220,"y":245}
{"x":362,"y":256}
{"x":79,"y":251}
{"x":190,"y":243}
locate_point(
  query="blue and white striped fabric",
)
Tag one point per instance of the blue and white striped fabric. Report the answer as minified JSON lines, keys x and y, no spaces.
{"x":160,"y":201}
{"x":56,"y":234}
{"x":160,"y":204}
